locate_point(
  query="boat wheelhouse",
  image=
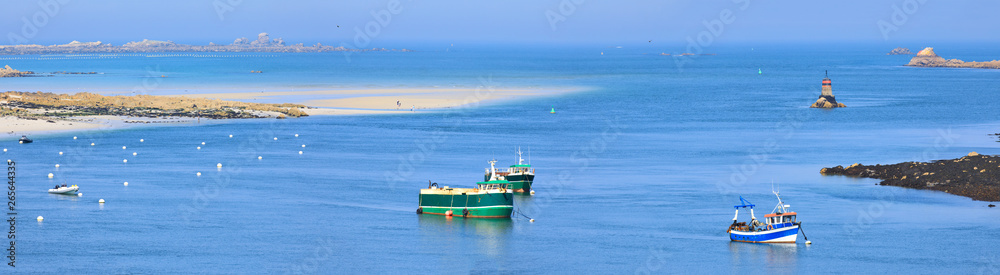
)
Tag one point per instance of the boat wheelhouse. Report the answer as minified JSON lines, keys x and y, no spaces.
{"x":520,"y":175}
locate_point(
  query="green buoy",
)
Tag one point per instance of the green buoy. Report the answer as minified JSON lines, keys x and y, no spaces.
{"x":553,"y":110}
{"x":759,"y":71}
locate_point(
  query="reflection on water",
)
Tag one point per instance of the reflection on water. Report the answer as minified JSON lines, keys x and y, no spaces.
{"x":490,"y":234}
{"x":777,"y":258}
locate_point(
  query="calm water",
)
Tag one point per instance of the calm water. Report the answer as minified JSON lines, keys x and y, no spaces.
{"x":636,"y":174}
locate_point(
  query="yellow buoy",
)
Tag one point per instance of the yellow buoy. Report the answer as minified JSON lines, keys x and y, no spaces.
{"x":51,"y":175}
{"x":199,"y":174}
{"x":100,"y":201}
{"x":39,"y":218}
{"x":126,"y":183}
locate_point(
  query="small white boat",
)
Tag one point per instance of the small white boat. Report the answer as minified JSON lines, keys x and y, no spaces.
{"x":65,"y":190}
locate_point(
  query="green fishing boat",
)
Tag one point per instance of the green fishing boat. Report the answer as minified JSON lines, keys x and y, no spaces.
{"x":491,"y":199}
{"x":519,"y":175}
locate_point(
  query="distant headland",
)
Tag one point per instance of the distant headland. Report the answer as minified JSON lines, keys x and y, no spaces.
{"x":263,"y":43}
{"x":927,"y":58}
{"x":900,"y":51}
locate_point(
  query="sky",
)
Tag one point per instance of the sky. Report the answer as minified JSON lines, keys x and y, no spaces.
{"x":392,"y":22}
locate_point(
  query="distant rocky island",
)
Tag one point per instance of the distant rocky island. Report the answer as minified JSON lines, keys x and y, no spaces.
{"x":7,"y":71}
{"x":975,"y":176}
{"x":263,"y":43}
{"x":927,"y":58}
{"x":900,"y":51}
{"x":38,"y":104}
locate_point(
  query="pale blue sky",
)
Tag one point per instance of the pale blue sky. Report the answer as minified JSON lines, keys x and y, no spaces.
{"x":504,"y":22}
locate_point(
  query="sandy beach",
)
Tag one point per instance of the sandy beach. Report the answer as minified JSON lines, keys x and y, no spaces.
{"x":321,"y":102}
{"x":383,"y":100}
{"x":14,"y":127}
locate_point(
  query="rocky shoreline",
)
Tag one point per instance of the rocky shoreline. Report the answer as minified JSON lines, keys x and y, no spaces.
{"x":975,"y":176}
{"x":927,"y":58}
{"x":50,"y":105}
{"x":263,"y":43}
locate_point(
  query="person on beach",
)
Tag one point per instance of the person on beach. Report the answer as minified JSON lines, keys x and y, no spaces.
{"x":398,"y":105}
{"x":411,"y":107}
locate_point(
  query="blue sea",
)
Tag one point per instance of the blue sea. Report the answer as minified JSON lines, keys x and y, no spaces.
{"x":637,"y":172}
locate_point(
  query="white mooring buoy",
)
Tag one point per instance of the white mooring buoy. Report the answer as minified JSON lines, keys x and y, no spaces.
{"x":39,"y":218}
{"x":134,"y":153}
{"x":91,"y":144}
{"x":531,"y":220}
{"x":123,"y":147}
{"x":60,"y":153}
{"x":57,"y":165}
{"x":230,"y":136}
{"x":199,"y":174}
{"x":296,"y":135}
{"x":199,"y":147}
{"x":219,"y":165}
{"x":260,"y":157}
{"x":126,"y":183}
{"x":275,"y":138}
{"x":141,"y":140}
{"x":809,"y":242}
{"x":74,"y":137}
{"x":300,"y":152}
{"x":124,"y":161}
{"x":303,"y":146}
{"x":532,"y":192}
{"x":100,"y":201}
{"x":202,"y":143}
{"x":51,"y":175}
{"x":79,"y":194}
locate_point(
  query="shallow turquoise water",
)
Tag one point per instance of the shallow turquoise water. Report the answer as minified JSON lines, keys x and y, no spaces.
{"x":638,"y":173}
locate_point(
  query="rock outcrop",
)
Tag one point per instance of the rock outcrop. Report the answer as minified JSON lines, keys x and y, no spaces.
{"x":927,"y":58}
{"x":900,"y":51}
{"x":975,"y":176}
{"x":7,"y":71}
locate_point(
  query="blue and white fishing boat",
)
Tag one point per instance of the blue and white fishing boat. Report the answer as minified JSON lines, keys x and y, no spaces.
{"x":778,"y":227}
